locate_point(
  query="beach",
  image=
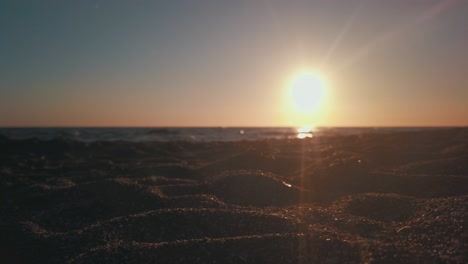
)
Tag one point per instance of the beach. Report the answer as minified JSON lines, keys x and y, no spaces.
{"x":390,"y":197}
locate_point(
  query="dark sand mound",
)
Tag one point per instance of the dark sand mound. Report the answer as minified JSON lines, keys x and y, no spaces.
{"x":255,"y":189}
{"x":161,"y":181}
{"x":83,"y":204}
{"x":381,"y":207}
{"x":167,"y":170}
{"x":274,"y":248}
{"x":190,"y":223}
{"x":182,"y":189}
{"x":447,"y":166}
{"x":371,"y":198}
{"x":262,"y":157}
{"x":155,"y":227}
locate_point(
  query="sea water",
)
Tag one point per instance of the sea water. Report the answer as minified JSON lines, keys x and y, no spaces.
{"x":191,"y":134}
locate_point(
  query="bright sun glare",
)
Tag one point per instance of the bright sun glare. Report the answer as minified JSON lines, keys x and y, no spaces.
{"x":307,"y":89}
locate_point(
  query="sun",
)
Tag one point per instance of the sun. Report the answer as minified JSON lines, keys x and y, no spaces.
{"x":306,"y":90}
{"x":306,"y":98}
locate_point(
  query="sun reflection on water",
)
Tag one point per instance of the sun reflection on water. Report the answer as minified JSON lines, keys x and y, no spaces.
{"x":305,"y":132}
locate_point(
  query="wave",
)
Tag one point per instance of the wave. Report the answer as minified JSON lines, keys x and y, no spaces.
{"x":162,"y":131}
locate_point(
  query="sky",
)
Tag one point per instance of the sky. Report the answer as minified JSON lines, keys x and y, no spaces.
{"x":230,"y":63}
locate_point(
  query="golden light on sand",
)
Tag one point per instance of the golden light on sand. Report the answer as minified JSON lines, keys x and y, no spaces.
{"x":307,"y":89}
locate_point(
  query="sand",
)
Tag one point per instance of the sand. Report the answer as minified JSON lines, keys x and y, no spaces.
{"x":371,"y":198}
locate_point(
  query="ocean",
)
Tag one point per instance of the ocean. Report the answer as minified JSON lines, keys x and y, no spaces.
{"x":193,"y":134}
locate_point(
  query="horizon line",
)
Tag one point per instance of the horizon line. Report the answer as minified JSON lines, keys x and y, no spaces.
{"x":285,"y":126}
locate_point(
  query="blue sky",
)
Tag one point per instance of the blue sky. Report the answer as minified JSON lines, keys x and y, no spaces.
{"x":225,"y":63}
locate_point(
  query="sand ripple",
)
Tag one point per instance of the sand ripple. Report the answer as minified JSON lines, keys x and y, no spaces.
{"x":377,"y":198}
